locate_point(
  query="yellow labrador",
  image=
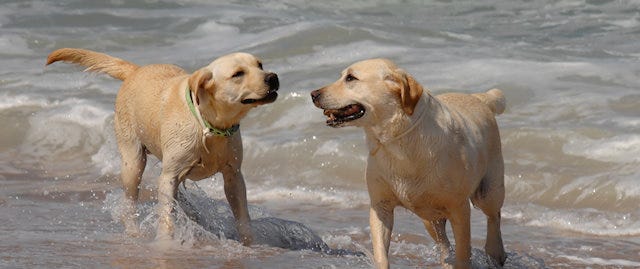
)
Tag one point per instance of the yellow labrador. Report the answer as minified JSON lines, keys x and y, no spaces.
{"x":429,"y":154}
{"x":189,"y":121}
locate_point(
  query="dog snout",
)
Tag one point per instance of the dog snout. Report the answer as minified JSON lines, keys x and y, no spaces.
{"x":271,"y":79}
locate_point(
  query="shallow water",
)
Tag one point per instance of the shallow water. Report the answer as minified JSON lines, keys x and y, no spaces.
{"x":571,"y":131}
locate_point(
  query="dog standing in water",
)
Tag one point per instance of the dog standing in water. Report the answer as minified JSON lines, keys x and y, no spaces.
{"x":429,"y":154}
{"x":189,"y":121}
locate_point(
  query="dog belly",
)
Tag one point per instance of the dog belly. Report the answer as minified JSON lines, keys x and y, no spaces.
{"x":426,"y":197}
{"x":200,"y":171}
{"x":427,"y":207}
{"x":427,"y":213}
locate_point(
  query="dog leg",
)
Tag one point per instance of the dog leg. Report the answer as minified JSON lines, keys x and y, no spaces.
{"x":383,"y":202}
{"x":494,"y":246}
{"x":236,"y":193}
{"x":489,"y":198}
{"x":167,"y":188}
{"x":381,"y":223}
{"x":134,"y":159}
{"x":437,"y":230}
{"x":461,"y":225}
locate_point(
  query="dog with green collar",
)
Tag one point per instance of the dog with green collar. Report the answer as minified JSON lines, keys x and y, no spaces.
{"x":188,"y":121}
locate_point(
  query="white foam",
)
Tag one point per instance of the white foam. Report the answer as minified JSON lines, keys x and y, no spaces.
{"x":601,"y":261}
{"x":630,"y":22}
{"x":65,"y":131}
{"x":626,"y":122}
{"x":344,"y":54}
{"x":107,"y":159}
{"x":338,"y":198}
{"x":81,"y":112}
{"x":187,"y":233}
{"x":622,"y":148}
{"x":228,"y":38}
{"x":586,"y":221}
{"x":213,"y":28}
{"x":627,"y":186}
{"x":468,"y":74}
{"x":462,"y":37}
{"x":8,"y":102}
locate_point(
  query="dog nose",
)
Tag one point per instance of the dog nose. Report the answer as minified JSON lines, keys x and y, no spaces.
{"x":271,"y":79}
{"x":315,"y":95}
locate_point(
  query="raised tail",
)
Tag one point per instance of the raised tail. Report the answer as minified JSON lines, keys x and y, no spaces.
{"x":494,"y":99}
{"x":94,"y":62}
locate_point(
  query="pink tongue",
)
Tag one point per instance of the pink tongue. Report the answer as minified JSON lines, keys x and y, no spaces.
{"x":352,"y":110}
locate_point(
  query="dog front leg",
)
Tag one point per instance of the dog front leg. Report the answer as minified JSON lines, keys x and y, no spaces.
{"x":381,"y":223}
{"x":167,"y":188}
{"x":236,"y":193}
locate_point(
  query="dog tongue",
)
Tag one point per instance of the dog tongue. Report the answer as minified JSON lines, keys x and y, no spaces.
{"x":351,"y":110}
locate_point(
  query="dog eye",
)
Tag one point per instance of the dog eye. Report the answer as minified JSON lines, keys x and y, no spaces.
{"x":238,"y":74}
{"x":350,"y":78}
{"x":260,"y":65}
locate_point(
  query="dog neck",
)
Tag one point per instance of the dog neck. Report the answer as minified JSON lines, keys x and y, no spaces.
{"x":406,"y":124}
{"x":207,"y":128}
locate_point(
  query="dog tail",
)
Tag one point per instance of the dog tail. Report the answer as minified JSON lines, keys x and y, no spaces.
{"x":94,"y":62}
{"x":494,"y":99}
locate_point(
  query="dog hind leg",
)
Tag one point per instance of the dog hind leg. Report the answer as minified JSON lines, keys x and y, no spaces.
{"x":134,"y":160}
{"x":437,"y":230}
{"x":460,"y":217}
{"x":489,"y":198}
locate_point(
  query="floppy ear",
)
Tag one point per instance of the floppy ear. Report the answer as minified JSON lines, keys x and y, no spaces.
{"x":410,"y":94}
{"x":200,"y":80}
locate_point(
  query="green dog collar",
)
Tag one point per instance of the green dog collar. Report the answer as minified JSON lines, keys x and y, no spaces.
{"x":208,"y":128}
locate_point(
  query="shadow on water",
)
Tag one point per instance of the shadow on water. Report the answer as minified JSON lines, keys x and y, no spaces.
{"x":215,"y":216}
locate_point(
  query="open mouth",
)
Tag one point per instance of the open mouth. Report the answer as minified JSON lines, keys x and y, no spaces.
{"x":269,"y":98}
{"x":344,"y":114}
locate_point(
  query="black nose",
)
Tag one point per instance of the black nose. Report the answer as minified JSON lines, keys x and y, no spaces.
{"x":271,"y":79}
{"x":315,"y":95}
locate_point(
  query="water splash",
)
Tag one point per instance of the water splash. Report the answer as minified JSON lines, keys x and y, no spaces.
{"x":201,"y":218}
{"x":215,"y":216}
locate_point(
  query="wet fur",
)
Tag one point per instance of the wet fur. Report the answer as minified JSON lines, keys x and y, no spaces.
{"x":429,"y":154}
{"x":152,"y":116}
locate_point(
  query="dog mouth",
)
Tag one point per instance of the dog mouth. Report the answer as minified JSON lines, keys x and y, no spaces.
{"x":348,"y":113}
{"x":270,"y":97}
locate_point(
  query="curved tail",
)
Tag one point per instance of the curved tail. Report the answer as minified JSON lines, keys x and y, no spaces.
{"x":94,"y":62}
{"x":494,"y":99}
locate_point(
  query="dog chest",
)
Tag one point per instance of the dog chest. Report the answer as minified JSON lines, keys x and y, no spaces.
{"x":219,"y":157}
{"x":423,"y":183}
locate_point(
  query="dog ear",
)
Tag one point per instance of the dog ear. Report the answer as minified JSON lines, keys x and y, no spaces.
{"x":410,"y":94}
{"x":200,"y":80}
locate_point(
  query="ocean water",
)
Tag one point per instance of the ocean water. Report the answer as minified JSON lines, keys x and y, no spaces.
{"x":571,"y":132}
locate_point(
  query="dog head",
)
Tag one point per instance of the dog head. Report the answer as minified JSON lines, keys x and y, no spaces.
{"x":232,"y":85}
{"x":368,"y":92}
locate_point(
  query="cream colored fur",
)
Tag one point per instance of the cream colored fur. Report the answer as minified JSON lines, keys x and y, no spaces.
{"x":429,"y":154}
{"x":152,"y":116}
